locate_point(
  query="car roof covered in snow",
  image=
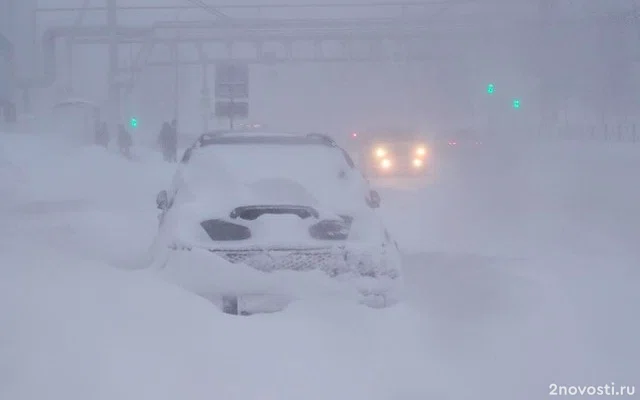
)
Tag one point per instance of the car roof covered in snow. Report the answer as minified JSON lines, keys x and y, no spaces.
{"x":264,"y":138}
{"x":259,"y":137}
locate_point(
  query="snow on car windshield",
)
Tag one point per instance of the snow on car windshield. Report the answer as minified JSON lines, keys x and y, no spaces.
{"x":321,"y":171}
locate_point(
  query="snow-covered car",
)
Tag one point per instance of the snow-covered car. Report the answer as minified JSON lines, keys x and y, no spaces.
{"x":276,"y":203}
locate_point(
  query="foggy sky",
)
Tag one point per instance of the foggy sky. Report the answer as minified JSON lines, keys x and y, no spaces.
{"x":582,"y":69}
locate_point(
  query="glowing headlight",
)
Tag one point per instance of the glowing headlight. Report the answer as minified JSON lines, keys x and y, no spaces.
{"x":421,"y":151}
{"x":386,"y":163}
{"x":380,"y":152}
{"x":417,"y":162}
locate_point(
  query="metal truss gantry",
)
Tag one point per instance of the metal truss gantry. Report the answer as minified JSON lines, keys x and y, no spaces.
{"x":410,"y":31}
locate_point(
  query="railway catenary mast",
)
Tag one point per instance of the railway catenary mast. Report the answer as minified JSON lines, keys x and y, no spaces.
{"x":7,"y":52}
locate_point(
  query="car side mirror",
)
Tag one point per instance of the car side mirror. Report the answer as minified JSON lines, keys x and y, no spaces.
{"x":374,"y":199}
{"x":162,"y":200}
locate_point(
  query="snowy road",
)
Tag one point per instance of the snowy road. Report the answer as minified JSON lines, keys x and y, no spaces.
{"x":522,"y":267}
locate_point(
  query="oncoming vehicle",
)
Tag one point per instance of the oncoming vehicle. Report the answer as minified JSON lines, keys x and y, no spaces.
{"x":464,"y":138}
{"x":393,"y":153}
{"x":277,"y":203}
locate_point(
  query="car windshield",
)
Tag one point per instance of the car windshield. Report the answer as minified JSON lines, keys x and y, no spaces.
{"x":321,"y":170}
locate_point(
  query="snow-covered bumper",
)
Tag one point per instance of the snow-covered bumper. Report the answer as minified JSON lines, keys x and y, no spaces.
{"x":332,"y":261}
{"x":374,"y":273}
{"x":342,"y":263}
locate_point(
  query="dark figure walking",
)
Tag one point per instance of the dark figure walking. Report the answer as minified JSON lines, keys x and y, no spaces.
{"x":168,"y":141}
{"x":124,"y":141}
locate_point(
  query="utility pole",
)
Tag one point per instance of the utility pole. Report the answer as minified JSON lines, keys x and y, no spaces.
{"x":114,"y":93}
{"x":205,"y":97}
{"x":68,"y":85}
{"x":70,"y":43}
{"x":205,"y":100}
{"x":176,"y":80}
{"x":232,"y":108}
{"x":545,"y":70}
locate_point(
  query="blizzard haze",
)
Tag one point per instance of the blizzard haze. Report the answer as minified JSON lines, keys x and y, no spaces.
{"x":519,"y":247}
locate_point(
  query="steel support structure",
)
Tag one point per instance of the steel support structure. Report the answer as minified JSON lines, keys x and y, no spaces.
{"x":114,"y":90}
{"x":405,"y":27}
{"x":546,"y":97}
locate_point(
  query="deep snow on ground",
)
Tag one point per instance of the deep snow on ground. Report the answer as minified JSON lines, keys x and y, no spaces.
{"x":76,"y":329}
{"x":530,"y":263}
{"x":522,"y":269}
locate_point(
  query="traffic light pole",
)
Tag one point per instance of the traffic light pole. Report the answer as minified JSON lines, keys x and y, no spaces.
{"x":491,"y":111}
{"x":545,"y":97}
{"x":114,"y":91}
{"x":176,"y":83}
{"x":231,"y":111}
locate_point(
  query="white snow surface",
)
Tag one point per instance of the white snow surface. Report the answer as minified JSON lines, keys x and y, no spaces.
{"x":521,"y":265}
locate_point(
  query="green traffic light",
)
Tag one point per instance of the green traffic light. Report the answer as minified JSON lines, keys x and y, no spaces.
{"x":133,"y":122}
{"x":516,"y":103}
{"x":491,"y":88}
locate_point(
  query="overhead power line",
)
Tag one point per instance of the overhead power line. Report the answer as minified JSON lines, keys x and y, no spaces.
{"x":208,"y":8}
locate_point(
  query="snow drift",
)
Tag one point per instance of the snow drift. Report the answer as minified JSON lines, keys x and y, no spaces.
{"x":522,"y":273}
{"x":79,"y":328}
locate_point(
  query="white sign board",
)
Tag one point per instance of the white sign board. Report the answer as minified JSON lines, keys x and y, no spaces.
{"x":232,"y":109}
{"x":232,"y":81}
